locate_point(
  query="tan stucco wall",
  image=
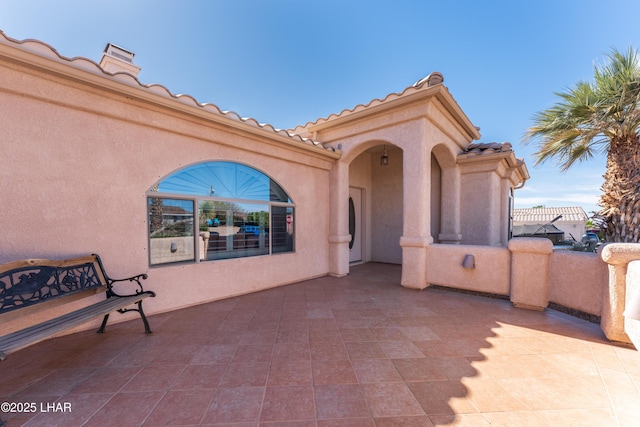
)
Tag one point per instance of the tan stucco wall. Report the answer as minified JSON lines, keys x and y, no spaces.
{"x":490,"y":275}
{"x":79,"y":160}
{"x":481,"y":206}
{"x":572,"y":279}
{"x":386,"y":209}
{"x":577,"y":280}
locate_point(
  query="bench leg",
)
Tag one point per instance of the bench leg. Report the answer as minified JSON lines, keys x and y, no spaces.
{"x":104,"y":324}
{"x":147,"y":329}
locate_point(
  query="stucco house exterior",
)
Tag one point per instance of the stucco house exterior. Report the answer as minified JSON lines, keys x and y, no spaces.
{"x":212,"y":205}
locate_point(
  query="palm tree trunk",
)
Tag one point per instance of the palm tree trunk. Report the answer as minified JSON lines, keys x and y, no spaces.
{"x":621,"y":190}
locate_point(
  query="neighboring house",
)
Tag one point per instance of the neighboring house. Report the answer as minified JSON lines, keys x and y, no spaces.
{"x":98,"y":162}
{"x":572,"y":221}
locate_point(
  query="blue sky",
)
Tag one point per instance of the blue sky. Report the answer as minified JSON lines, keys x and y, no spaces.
{"x":288,"y":62}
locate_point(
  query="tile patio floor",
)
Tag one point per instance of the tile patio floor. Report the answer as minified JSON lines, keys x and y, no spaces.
{"x":355,"y":351}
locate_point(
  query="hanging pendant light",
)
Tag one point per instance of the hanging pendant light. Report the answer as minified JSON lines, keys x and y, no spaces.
{"x":384,"y":160}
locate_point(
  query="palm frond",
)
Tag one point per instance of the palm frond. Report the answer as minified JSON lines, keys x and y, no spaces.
{"x":589,"y":115}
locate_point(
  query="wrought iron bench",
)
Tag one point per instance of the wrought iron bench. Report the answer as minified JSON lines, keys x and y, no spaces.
{"x":32,"y":286}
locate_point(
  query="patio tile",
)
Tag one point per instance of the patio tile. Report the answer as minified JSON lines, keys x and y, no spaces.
{"x":291,"y":351}
{"x":200,"y":377}
{"x":333,"y":372}
{"x":549,"y":393}
{"x":401,"y":349}
{"x":290,"y":372}
{"x":329,"y":350}
{"x":366,"y":350}
{"x":287,"y":403}
{"x":245,"y":374}
{"x":253,"y":353}
{"x":150,"y":378}
{"x":118,"y":411}
{"x":58,"y":382}
{"x":404,"y":421}
{"x":340,"y":401}
{"x":581,"y":417}
{"x":391,"y":399}
{"x":421,"y":369}
{"x":83,"y":407}
{"x":375,"y":370}
{"x":441,"y":397}
{"x":181,"y":407}
{"x":235,"y":405}
{"x":216,"y":353}
{"x":109,"y":379}
{"x":356,"y":351}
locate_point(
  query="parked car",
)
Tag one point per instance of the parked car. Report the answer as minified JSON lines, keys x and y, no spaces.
{"x":591,"y":241}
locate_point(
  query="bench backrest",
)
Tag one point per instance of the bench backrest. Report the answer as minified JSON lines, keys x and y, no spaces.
{"x":35,"y":281}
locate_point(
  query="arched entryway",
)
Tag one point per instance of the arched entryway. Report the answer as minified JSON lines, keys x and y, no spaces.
{"x":375,"y":204}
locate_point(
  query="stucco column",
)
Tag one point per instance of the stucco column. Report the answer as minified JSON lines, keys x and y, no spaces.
{"x":450,"y":207}
{"x":618,"y":256}
{"x":416,"y":227}
{"x":530,"y":272}
{"x":339,"y":236}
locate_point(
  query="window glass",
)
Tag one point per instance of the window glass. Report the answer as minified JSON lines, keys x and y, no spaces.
{"x":241,"y":212}
{"x":225,"y":180}
{"x":234,"y":230}
{"x":171,"y":230}
{"x":282,"y":220}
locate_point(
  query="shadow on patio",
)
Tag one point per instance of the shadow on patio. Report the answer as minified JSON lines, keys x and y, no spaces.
{"x":353,"y":351}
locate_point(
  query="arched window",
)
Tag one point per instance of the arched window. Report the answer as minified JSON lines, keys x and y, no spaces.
{"x":237,"y":210}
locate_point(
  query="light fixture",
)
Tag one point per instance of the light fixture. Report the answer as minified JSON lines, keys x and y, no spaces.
{"x":174,"y":247}
{"x":469,"y":261}
{"x":384,"y":160}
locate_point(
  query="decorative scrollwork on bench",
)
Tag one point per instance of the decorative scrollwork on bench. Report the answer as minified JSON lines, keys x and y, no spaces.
{"x":33,"y":284}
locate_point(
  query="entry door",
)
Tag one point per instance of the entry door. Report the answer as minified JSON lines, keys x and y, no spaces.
{"x":355,"y":224}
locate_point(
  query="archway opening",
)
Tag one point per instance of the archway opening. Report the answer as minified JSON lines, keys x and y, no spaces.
{"x":375,"y":191}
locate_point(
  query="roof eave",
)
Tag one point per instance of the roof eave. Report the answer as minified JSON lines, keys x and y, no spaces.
{"x":410,"y":95}
{"x":37,"y":54}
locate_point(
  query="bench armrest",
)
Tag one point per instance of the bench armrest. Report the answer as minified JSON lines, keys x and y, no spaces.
{"x":134,"y":279}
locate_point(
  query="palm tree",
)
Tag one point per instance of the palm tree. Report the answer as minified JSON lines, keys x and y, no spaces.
{"x":601,"y":116}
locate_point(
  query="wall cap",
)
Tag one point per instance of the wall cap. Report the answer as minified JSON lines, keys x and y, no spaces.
{"x":620,"y":253}
{"x":530,"y":245}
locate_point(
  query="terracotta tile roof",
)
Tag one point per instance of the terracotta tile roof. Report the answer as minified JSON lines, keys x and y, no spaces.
{"x":432,"y":82}
{"x":44,"y":50}
{"x":544,"y":215}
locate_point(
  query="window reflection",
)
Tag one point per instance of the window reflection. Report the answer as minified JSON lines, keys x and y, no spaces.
{"x":241,"y":212}
{"x":235,"y":230}
{"x":171,"y":230}
{"x":224,"y":180}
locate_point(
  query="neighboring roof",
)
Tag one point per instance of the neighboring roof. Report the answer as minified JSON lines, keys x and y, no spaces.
{"x":544,"y":215}
{"x":531,"y":229}
{"x":33,"y":52}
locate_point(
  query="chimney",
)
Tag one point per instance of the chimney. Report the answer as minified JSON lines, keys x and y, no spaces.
{"x":117,"y":60}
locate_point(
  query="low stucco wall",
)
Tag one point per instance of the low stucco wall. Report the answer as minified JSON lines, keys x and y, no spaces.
{"x":490,"y":275}
{"x":577,"y":280}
